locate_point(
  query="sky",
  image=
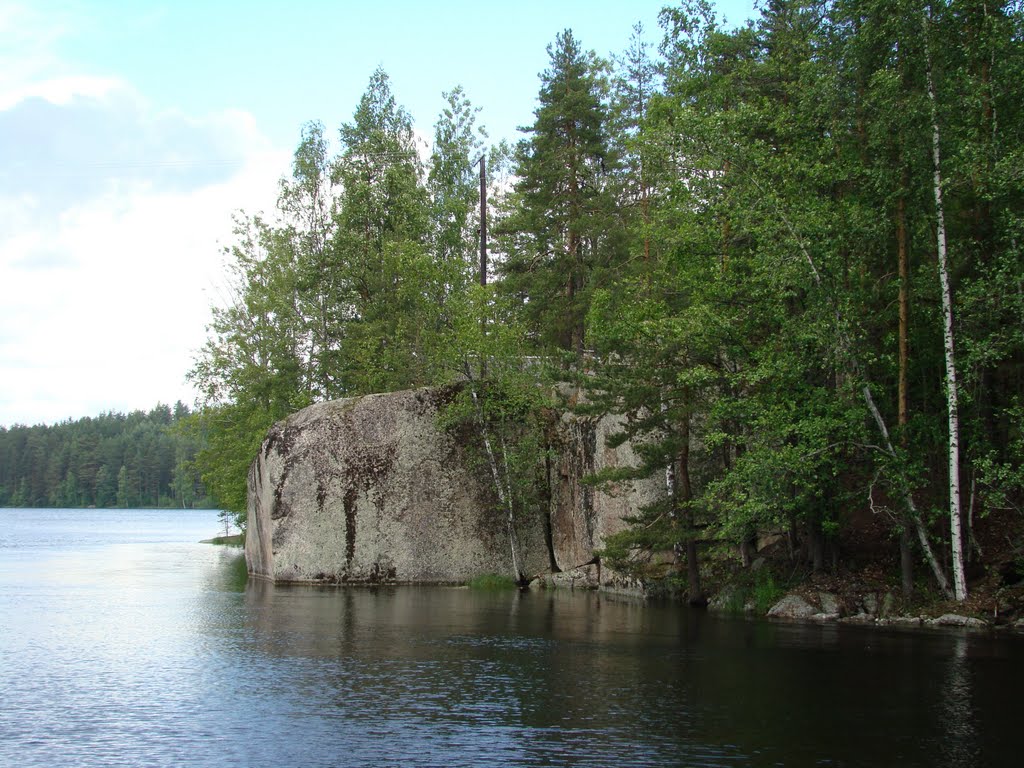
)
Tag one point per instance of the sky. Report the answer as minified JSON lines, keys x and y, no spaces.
{"x":130,"y":132}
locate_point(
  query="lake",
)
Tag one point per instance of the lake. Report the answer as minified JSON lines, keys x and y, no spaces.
{"x":124,"y":641}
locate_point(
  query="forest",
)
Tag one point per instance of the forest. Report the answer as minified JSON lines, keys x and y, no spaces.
{"x":130,"y":460}
{"x":789,"y":253}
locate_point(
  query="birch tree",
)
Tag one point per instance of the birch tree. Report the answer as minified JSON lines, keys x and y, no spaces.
{"x":952,"y":409}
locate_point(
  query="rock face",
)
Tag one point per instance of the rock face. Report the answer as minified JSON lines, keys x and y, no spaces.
{"x":372,"y":490}
{"x":582,"y":517}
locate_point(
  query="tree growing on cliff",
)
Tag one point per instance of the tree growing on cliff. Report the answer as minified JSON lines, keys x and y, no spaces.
{"x":563,"y":229}
{"x":503,"y":400}
{"x":757,"y":274}
{"x":453,"y":186}
{"x":382,"y":245}
{"x":307,"y":209}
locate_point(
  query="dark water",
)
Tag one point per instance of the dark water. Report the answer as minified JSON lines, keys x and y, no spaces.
{"x":125,"y":642}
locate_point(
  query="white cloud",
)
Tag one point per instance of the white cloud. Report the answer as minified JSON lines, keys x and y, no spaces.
{"x":104,"y":256}
{"x":28,"y":56}
{"x":113,"y":213}
{"x":59,"y":90}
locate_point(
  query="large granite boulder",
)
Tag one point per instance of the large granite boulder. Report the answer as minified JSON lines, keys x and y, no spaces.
{"x":373,"y":490}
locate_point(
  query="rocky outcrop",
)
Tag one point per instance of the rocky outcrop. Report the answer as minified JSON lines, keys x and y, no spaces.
{"x":372,"y":490}
{"x":956,"y":620}
{"x":827,"y":607}
{"x":583,"y":517}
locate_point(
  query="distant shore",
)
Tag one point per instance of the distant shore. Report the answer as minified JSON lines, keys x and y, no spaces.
{"x":235,"y":540}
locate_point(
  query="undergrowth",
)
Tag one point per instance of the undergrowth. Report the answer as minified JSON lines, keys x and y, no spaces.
{"x":492,"y":582}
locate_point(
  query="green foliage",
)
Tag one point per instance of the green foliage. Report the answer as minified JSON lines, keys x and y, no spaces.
{"x":736,"y":601}
{"x":502,"y":400}
{"x":766,"y":591}
{"x":561,"y":234}
{"x":232,"y":434}
{"x":759,"y":591}
{"x":227,"y":541}
{"x":453,"y":186}
{"x":492,"y":582}
{"x":642,"y":549}
{"x":706,"y":242}
{"x":341,"y":294}
{"x":764,"y":303}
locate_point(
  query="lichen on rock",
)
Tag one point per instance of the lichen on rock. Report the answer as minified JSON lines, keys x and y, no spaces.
{"x":370,"y":490}
{"x":375,"y":490}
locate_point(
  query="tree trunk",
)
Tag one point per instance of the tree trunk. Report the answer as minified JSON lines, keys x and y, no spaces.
{"x":696,"y":590}
{"x":816,"y":536}
{"x":956,"y":535}
{"x":912,"y":513}
{"x":907,"y":561}
{"x":501,"y":487}
{"x":726,"y":229}
{"x":906,"y":541}
{"x":748,"y":548}
{"x":792,"y":537}
{"x":680,"y":494}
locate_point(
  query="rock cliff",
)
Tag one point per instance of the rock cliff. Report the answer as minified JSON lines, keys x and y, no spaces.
{"x":582,"y":517}
{"x":373,"y":490}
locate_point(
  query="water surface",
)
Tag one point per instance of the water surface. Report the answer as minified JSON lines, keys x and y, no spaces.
{"x":123,"y":641}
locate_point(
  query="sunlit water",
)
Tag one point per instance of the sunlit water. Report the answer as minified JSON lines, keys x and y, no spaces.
{"x":123,"y":641}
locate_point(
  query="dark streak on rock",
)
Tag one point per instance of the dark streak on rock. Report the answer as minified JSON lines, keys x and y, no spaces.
{"x":368,"y":470}
{"x":350,"y":526}
{"x":382,"y":574}
{"x":588,"y":429}
{"x":434,"y":400}
{"x":281,"y":439}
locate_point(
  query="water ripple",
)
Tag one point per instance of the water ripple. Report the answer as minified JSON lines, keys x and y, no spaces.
{"x":149,"y":650}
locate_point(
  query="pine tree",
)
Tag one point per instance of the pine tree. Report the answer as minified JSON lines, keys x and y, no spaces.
{"x":563,"y":226}
{"x":306,"y":205}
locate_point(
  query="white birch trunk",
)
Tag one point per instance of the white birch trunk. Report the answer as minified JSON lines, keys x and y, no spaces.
{"x":670,"y":490}
{"x":504,"y":491}
{"x":670,"y":474}
{"x":955,"y":528}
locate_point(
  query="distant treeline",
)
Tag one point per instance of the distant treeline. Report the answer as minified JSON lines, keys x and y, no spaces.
{"x":113,"y":460}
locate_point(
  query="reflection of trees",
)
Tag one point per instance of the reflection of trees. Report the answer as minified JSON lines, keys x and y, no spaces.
{"x":959,"y":742}
{"x":588,"y":679}
{"x":228,"y":573}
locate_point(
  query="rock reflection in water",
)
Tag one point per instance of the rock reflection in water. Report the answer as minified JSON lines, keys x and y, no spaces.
{"x":552,"y":671}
